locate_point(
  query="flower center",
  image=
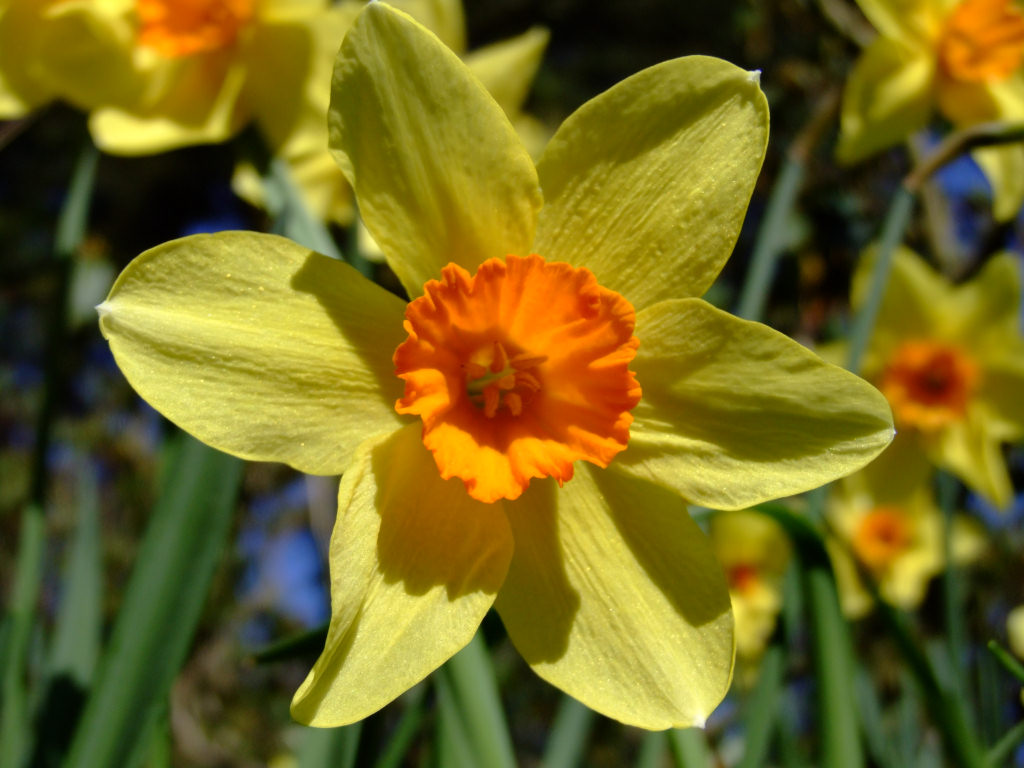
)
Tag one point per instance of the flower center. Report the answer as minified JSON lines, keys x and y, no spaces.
{"x":517,"y":372}
{"x":881,"y":537}
{"x":982,"y":41}
{"x":175,"y":28}
{"x":929,"y":384}
{"x":742,"y":577}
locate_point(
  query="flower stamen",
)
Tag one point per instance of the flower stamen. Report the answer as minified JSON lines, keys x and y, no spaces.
{"x":929,"y":384}
{"x":881,"y":537}
{"x":177,"y":28}
{"x":982,"y":41}
{"x":517,"y":372}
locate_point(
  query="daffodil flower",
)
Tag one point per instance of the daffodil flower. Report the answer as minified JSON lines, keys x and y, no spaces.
{"x":895,"y":531}
{"x":21,"y":90}
{"x":159,"y":74}
{"x":960,"y":58}
{"x":754,"y":552}
{"x":523,"y":433}
{"x":506,"y":68}
{"x":950,"y":360}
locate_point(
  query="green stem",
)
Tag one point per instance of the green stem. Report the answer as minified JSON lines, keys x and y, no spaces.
{"x":893,"y":229}
{"x":14,"y":716}
{"x":762,"y":708}
{"x":568,"y":738}
{"x":771,"y":238}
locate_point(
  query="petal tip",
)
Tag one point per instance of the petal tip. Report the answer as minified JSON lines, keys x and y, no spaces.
{"x":754,"y":77}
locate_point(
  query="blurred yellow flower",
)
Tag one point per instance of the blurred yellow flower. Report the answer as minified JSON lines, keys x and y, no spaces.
{"x":462,"y":485}
{"x":506,"y":69}
{"x":159,"y":74}
{"x":1015,"y":631}
{"x":895,"y":532}
{"x":20,"y":90}
{"x":963,"y":58}
{"x":950,"y":360}
{"x":754,"y":552}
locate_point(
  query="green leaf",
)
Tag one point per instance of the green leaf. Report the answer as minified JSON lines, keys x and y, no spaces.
{"x":762,"y":707}
{"x":329,"y":747}
{"x":569,"y":734}
{"x":832,"y":649}
{"x":690,"y":748}
{"x":155,"y":626}
{"x":475,"y":693}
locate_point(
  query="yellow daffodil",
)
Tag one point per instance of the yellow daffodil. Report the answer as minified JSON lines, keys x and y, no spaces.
{"x":963,"y":58}
{"x":159,"y":74}
{"x":1015,"y":631}
{"x":950,"y":360}
{"x":754,"y":552}
{"x":523,"y":432}
{"x":506,"y":69}
{"x":895,"y":532}
{"x":20,"y":90}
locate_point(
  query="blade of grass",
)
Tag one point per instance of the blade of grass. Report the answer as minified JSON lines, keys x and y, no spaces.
{"x":569,"y":734}
{"x":759,"y":717}
{"x":893,"y":229}
{"x":831,"y":645}
{"x":329,"y":747}
{"x":1013,"y":666}
{"x":653,"y":746}
{"x":181,"y":548}
{"x":476,"y":696}
{"x":76,"y":640}
{"x":454,"y":749}
{"x":15,"y":739}
{"x":690,"y":748}
{"x":771,"y":238}
{"x":771,"y":235}
{"x":952,"y":593}
{"x":401,"y":740}
{"x":1002,"y":749}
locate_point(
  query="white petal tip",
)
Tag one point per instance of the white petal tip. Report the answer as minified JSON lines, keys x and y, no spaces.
{"x":754,"y":76}
{"x":103,"y":309}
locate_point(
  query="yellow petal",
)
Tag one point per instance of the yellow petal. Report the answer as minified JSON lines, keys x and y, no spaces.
{"x":734,"y":413}
{"x":438,"y":171}
{"x":415,"y":565}
{"x":84,"y":52}
{"x":648,"y":183}
{"x":201,"y":105}
{"x":969,"y":450}
{"x":888,"y":96}
{"x":20,"y":89}
{"x":615,"y":597}
{"x":910,"y":21}
{"x":258,"y":347}
{"x":1004,"y":169}
{"x":1015,"y":630}
{"x":985,"y":310}
{"x":507,"y":68}
{"x":445,"y":18}
{"x":913,"y":306}
{"x":289,"y":66}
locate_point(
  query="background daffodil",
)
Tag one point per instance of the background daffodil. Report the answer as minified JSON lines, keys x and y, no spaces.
{"x":950,"y":359}
{"x":160,"y":74}
{"x":895,"y":532}
{"x":517,"y":366}
{"x":960,"y":58}
{"x":754,"y":552}
{"x":506,"y":69}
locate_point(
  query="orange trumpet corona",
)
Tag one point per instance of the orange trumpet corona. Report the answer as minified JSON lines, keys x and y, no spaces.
{"x":517,"y":372}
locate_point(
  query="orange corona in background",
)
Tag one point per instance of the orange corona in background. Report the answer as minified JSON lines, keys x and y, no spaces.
{"x":982,"y":41}
{"x":743,"y":577}
{"x":517,"y":372}
{"x":175,"y":28}
{"x":881,"y":537}
{"x":929,"y":384}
